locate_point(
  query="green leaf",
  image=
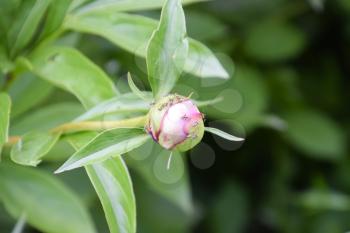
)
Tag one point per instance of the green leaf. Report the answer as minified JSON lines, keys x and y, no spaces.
{"x":55,"y":16}
{"x":46,"y":117}
{"x":315,"y":134}
{"x":113,"y":185}
{"x":223,"y":134}
{"x":107,"y":144}
{"x":5,"y":106}
{"x":32,"y":147}
{"x":150,"y":162}
{"x":202,"y":62}
{"x":81,"y":139}
{"x":126,"y":103}
{"x":126,"y":5}
{"x":27,"y":91}
{"x":26,"y":25}
{"x":47,"y":203}
{"x":167,"y":49}
{"x":132,"y":33}
{"x":68,"y":69}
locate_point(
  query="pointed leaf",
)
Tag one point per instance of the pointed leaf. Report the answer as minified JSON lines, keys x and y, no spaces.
{"x":67,"y":68}
{"x":78,"y":140}
{"x":167,"y":49}
{"x":5,"y":106}
{"x":223,"y":134}
{"x":126,"y":103}
{"x":107,"y":144}
{"x":132,"y":33}
{"x":113,"y":185}
{"x":47,"y":203}
{"x":32,"y":147}
{"x":202,"y":62}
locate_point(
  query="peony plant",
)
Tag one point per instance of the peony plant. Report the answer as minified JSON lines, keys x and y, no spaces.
{"x":113,"y":123}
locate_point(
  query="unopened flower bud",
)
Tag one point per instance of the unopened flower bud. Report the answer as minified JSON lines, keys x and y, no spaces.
{"x":175,"y":123}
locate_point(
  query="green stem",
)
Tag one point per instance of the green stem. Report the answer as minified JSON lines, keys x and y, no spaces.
{"x":72,"y":127}
{"x":99,"y":125}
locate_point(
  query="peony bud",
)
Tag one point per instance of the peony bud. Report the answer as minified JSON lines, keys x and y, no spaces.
{"x":175,"y":123}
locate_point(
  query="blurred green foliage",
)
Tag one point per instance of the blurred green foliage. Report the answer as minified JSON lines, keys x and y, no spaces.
{"x":288,"y":93}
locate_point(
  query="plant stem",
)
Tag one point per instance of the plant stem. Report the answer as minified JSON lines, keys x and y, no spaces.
{"x":90,"y":126}
{"x":99,"y":125}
